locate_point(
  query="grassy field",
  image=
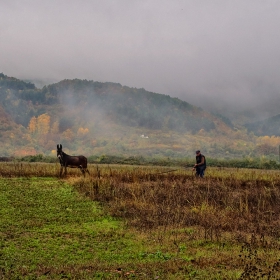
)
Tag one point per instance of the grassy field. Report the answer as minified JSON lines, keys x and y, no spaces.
{"x":129,"y":222}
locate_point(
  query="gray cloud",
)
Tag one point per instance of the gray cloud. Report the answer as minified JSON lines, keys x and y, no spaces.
{"x":205,"y":52}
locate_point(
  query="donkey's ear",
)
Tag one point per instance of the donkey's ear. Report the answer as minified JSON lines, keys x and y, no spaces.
{"x":57,"y":146}
{"x":60,"y":146}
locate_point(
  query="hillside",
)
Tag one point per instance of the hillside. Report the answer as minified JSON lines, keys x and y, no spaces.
{"x":269,"y":126}
{"x":97,"y":118}
{"x":122,"y":105}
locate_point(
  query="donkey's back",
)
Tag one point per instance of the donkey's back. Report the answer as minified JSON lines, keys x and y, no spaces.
{"x":76,"y":161}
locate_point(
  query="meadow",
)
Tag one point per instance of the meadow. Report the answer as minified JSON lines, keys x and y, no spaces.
{"x":138,"y":222}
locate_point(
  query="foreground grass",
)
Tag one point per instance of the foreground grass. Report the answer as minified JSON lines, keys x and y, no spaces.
{"x":54,"y":229}
{"x":48,"y":228}
{"x":50,"y":231}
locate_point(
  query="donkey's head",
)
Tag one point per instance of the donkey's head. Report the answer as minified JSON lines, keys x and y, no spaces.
{"x":59,"y":152}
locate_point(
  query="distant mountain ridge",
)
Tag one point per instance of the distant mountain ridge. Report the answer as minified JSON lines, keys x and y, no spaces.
{"x":101,"y":118}
{"x":129,"y":106}
{"x":269,"y":126}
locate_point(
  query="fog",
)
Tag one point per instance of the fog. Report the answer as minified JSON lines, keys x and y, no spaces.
{"x":209,"y":53}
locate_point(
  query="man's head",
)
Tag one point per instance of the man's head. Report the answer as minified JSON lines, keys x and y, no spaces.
{"x":197,"y":152}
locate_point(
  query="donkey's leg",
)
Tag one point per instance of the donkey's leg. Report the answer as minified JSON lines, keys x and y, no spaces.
{"x":61,"y":170}
{"x":86,"y":170}
{"x":65,"y":170}
{"x":82,"y":170}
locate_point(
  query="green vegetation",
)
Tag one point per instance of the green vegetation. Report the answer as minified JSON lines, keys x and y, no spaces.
{"x":96,"y":119}
{"x":247,"y":162}
{"x":48,"y":230}
{"x":269,"y":126}
{"x":138,"y":222}
{"x":127,"y":106}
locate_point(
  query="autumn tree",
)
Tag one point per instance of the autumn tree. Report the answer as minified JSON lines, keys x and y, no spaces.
{"x":82,"y":132}
{"x":32,"y":127}
{"x":55,"y":128}
{"x":68,"y":134}
{"x":43,"y":124}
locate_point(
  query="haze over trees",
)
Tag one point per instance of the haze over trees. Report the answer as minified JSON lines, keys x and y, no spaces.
{"x":107,"y":118}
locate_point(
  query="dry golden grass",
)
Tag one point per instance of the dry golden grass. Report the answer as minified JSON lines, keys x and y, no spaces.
{"x":228,"y":221}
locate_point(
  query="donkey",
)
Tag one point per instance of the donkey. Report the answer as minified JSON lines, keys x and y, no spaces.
{"x":71,"y":161}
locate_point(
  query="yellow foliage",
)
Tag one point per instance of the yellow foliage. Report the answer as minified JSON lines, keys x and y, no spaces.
{"x":43,"y":124}
{"x":27,"y":137}
{"x":82,"y":131}
{"x":270,"y":140}
{"x":55,"y":127}
{"x":68,"y":134}
{"x":25,"y":151}
{"x":40,"y":124}
{"x":32,"y":125}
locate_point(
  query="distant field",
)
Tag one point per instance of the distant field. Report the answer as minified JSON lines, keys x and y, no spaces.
{"x":132,"y":222}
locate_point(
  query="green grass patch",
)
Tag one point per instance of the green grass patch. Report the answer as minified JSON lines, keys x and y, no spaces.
{"x":50,"y":229}
{"x":45,"y":223}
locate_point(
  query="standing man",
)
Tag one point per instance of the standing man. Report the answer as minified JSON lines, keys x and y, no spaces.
{"x":200,"y":165}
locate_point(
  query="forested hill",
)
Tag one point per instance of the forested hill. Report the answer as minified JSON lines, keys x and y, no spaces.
{"x":108,"y":118}
{"x":270,"y":126}
{"x":81,"y":98}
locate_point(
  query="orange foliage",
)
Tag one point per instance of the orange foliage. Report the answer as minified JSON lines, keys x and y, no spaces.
{"x":32,"y":125}
{"x":55,"y":127}
{"x":68,"y":134}
{"x":82,"y":131}
{"x":269,"y":140}
{"x":26,"y":151}
{"x":43,"y":124}
{"x":40,"y":124}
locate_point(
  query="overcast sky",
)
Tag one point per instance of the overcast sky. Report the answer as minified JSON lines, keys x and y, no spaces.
{"x":198,"y":50}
